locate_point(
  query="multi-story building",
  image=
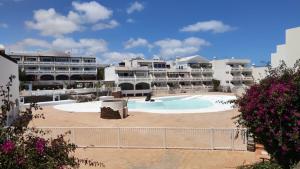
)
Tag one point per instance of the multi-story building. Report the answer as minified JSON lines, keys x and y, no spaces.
{"x":233,"y":73}
{"x":140,"y":76}
{"x":55,"y":68}
{"x":288,"y":52}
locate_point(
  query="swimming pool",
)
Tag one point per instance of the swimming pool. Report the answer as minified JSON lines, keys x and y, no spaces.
{"x":183,"y":104}
{"x":163,"y":105}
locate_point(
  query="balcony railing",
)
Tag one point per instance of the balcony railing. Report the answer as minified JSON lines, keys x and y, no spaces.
{"x":234,"y":69}
{"x":201,"y":70}
{"x":60,"y":71}
{"x":241,"y":78}
{"x":57,"y":63}
{"x":158,"y":70}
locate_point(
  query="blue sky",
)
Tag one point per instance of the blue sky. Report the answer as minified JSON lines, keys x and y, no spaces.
{"x":114,"y":29}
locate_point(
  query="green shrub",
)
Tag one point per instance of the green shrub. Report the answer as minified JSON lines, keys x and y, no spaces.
{"x":261,"y":165}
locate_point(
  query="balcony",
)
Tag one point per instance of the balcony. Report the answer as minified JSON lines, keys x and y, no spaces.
{"x":158,"y":70}
{"x":132,"y":68}
{"x":134,"y":79}
{"x":58,"y":63}
{"x":241,"y":69}
{"x":201,"y":70}
{"x":60,"y":72}
{"x":241,"y":78}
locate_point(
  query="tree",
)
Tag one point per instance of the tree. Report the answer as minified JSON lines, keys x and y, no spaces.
{"x":22,"y":75}
{"x":271,"y":112}
{"x":100,"y":73}
{"x":23,"y":147}
{"x":216,"y":84}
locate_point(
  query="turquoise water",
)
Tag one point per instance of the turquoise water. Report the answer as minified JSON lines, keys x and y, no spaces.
{"x":171,"y":103}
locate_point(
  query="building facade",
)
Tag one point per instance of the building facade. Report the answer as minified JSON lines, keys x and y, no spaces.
{"x":55,"y":68}
{"x":139,"y":76}
{"x":233,"y":73}
{"x":288,"y":52}
{"x":9,"y":67}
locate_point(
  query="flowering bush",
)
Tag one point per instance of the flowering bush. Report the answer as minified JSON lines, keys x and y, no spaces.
{"x":23,"y":147}
{"x":271,"y":112}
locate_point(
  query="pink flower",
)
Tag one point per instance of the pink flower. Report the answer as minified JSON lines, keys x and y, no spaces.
{"x":20,"y":160}
{"x":8,"y":146}
{"x":40,"y":145}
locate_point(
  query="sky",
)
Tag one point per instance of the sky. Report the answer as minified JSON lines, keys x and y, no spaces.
{"x":113,"y":30}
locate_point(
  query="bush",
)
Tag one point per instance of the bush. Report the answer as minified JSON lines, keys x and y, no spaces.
{"x":23,"y":147}
{"x":271,"y":112}
{"x":261,"y":165}
{"x":216,"y":85}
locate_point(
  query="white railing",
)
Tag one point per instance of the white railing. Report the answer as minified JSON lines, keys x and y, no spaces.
{"x":241,"y":78}
{"x":160,"y":88}
{"x":158,"y":70}
{"x":201,"y":70}
{"x":134,"y":79}
{"x":57,"y":63}
{"x":155,"y":137}
{"x":59,"y":92}
{"x":247,"y":78}
{"x":136,"y":91}
{"x":241,"y":69}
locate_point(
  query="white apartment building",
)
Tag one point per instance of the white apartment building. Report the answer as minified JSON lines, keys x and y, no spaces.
{"x":56,"y":68}
{"x":139,"y":76}
{"x":233,"y":73}
{"x":288,"y":52}
{"x":9,"y":67}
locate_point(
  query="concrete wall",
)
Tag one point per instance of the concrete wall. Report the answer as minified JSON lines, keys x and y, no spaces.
{"x":9,"y":68}
{"x":279,"y":56}
{"x":259,"y":73}
{"x":288,"y":52}
{"x":110,"y":74}
{"x":219,"y":72}
{"x":292,"y":46}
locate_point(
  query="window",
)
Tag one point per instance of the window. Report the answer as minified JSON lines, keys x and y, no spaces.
{"x":30,"y":59}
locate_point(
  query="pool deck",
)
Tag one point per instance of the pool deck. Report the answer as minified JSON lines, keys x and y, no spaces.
{"x":152,"y":158}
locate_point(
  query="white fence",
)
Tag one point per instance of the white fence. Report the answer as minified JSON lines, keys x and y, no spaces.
{"x":164,"y":138}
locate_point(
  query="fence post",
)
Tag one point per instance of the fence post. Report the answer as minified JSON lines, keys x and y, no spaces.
{"x":73,"y":136}
{"x":212,"y":133}
{"x":165,"y":138}
{"x":119,"y":137}
{"x":232,"y":139}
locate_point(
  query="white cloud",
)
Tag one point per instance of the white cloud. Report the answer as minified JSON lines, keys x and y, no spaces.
{"x":170,"y":48}
{"x":139,"y":42}
{"x":212,"y":25}
{"x":51,"y":23}
{"x":92,"y":11}
{"x":109,"y":25}
{"x":130,"y":20}
{"x":135,"y":7}
{"x":115,"y":57}
{"x":80,"y":47}
{"x":2,"y":46}
{"x":28,"y":43}
{"x":3,"y":25}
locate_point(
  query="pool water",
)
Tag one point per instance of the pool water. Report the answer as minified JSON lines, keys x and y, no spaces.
{"x":172,"y":103}
{"x":162,"y":105}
